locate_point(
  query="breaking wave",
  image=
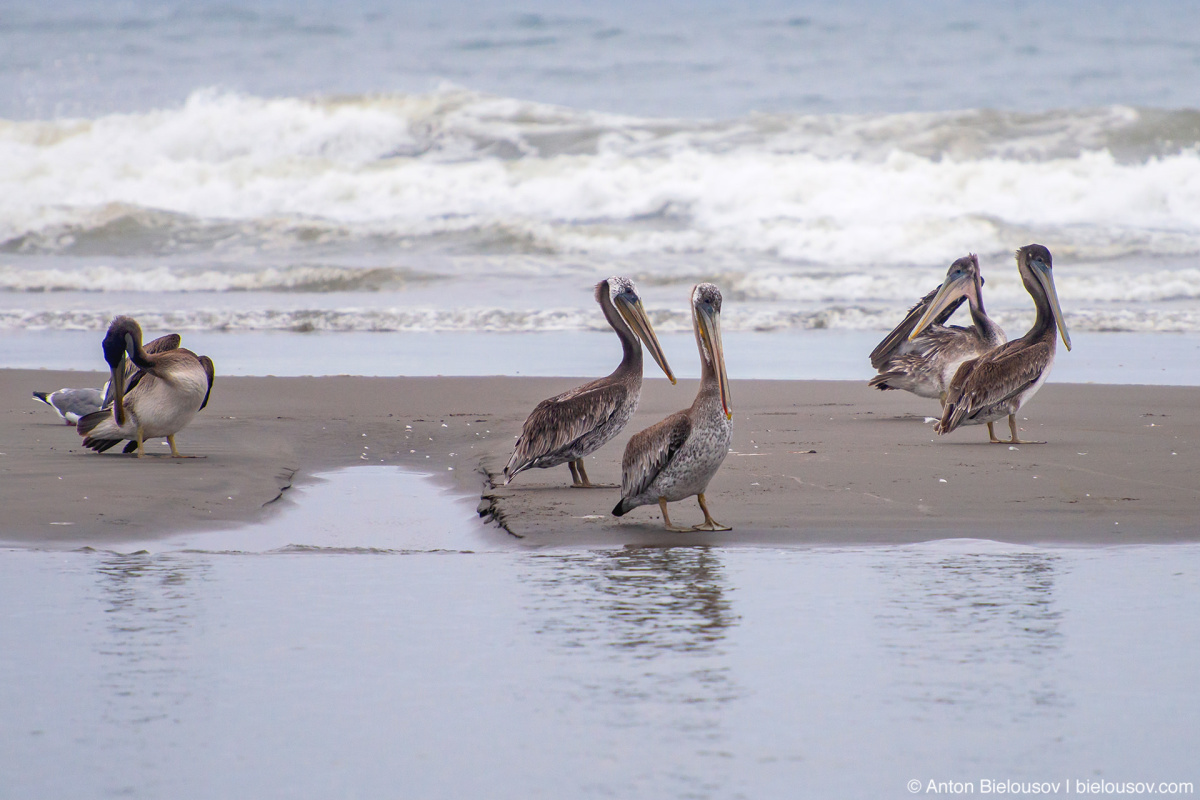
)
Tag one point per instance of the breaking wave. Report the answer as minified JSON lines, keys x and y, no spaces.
{"x":227,"y":171}
{"x":1089,"y":284}
{"x":806,"y":221}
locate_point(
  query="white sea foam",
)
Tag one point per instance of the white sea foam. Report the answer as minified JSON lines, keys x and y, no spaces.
{"x":507,"y":320}
{"x":836,"y":191}
{"x":162,"y":279}
{"x":1086,"y":284}
{"x":806,"y":221}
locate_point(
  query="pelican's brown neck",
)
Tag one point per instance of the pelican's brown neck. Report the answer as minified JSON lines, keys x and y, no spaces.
{"x":631,"y":346}
{"x":1043,"y":322}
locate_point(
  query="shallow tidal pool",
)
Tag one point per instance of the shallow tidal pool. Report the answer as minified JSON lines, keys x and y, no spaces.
{"x":375,"y":640}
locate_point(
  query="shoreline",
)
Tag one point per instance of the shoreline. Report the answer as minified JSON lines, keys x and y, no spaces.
{"x":813,"y":462}
{"x":1159,"y":359}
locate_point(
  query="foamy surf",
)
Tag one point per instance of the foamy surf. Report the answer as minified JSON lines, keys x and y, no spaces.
{"x":836,"y":190}
{"x":162,"y":278}
{"x":509,"y":320}
{"x":829,"y":221}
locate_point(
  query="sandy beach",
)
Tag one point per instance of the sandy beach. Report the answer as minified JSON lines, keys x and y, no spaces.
{"x":812,"y":462}
{"x":385,"y":223}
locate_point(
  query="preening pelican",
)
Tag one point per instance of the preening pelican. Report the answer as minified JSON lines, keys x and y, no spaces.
{"x":160,"y":345}
{"x":159,"y":399}
{"x":677,"y":457}
{"x":999,"y":382}
{"x":566,"y":428}
{"x":72,"y":405}
{"x":922,"y":354}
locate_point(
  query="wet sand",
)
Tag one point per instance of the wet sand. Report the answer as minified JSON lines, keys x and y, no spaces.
{"x":813,"y":462}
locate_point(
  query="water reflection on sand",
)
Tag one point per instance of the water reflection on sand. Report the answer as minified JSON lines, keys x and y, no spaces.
{"x":443,"y":666}
{"x":992,"y":614}
{"x":150,"y":607}
{"x":638,"y":640}
{"x":639,"y":600}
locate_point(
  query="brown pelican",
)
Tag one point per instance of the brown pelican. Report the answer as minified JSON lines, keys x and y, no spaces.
{"x":160,"y":399}
{"x":71,"y":405}
{"x":678,"y":457}
{"x":1002,"y":380}
{"x":565,"y":428}
{"x":922,"y":354}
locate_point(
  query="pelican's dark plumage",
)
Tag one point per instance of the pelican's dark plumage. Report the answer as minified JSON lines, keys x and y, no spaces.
{"x":676,"y":458}
{"x":157,"y":399}
{"x":1000,"y":382}
{"x":922,"y":354}
{"x":567,"y":427}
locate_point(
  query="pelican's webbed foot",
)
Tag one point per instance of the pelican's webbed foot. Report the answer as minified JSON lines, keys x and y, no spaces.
{"x":709,"y":523}
{"x":175,"y":451}
{"x":1012,"y":426}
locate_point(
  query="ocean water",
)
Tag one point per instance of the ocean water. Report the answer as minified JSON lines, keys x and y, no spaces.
{"x":472,"y":167}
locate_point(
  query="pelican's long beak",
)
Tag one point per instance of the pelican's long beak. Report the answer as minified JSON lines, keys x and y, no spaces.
{"x":634,"y":313}
{"x":949,"y":292}
{"x":709,"y":323}
{"x":1046,"y":279}
{"x":117,"y":381}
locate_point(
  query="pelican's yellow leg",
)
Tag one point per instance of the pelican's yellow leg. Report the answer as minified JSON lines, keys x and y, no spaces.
{"x":1012,"y":426}
{"x":175,"y":451}
{"x":141,"y":451}
{"x":992,"y":435}
{"x":662,"y":503}
{"x":579,"y":478}
{"x":709,"y":523}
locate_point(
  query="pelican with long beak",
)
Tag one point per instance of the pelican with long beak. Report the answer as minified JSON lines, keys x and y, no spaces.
{"x":1002,"y":380}
{"x":567,"y":427}
{"x":922,"y":354}
{"x":676,"y":458}
{"x":159,"y":399}
{"x":73,"y":405}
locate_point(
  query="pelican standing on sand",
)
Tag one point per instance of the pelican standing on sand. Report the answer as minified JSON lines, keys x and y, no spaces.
{"x":566,"y":428}
{"x":922,"y":354}
{"x":999,"y":382}
{"x":677,"y":457}
{"x":72,"y":405}
{"x":160,"y":399}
